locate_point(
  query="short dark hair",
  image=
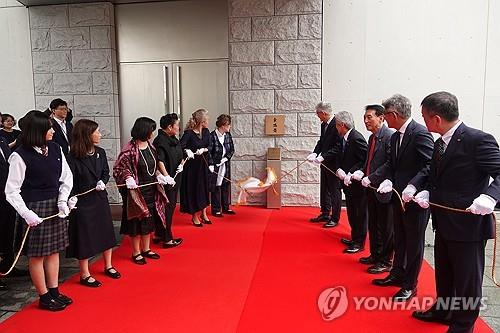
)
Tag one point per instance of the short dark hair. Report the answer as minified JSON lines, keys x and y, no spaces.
{"x":223,"y":119}
{"x":34,"y":127}
{"x":142,"y":129}
{"x":57,"y":103}
{"x":379,"y":109}
{"x":168,"y":120}
{"x":442,"y":103}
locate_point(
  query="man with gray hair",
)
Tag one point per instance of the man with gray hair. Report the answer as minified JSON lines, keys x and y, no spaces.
{"x":326,"y":153}
{"x":352,"y":158}
{"x":411,"y":152}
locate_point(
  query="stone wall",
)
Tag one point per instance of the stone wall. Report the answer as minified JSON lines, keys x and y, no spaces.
{"x":74,"y":58}
{"x":275,"y":68}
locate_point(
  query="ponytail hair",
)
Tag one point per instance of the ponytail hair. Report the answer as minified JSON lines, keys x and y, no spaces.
{"x":196,"y":118}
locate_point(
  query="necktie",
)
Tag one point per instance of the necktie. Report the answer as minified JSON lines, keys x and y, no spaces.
{"x":398,"y":141}
{"x":440,"y":149}
{"x":371,"y":152}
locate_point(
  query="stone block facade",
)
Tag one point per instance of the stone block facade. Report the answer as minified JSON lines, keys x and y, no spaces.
{"x":74,"y":58}
{"x":275,"y":68}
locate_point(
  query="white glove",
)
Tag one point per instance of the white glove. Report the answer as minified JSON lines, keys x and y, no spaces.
{"x":100,"y":186}
{"x":162,"y":180}
{"x":358,"y":175}
{"x":422,"y":199}
{"x":189,"y":154}
{"x":319,"y":159}
{"x":340,"y":173}
{"x":482,"y":205}
{"x":63,"y":209}
{"x":200,"y":151}
{"x":72,"y":202}
{"x":131,"y":184}
{"x":180,"y":168}
{"x":31,"y":218}
{"x":385,"y":186}
{"x":211,"y":168}
{"x":365,"y":182}
{"x":311,"y":157}
{"x":408,"y":193}
{"x":170,"y":180}
{"x":224,"y":160}
{"x":347,"y":179}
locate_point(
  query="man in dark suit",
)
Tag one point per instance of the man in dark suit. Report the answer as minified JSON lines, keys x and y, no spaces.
{"x":411,"y":152}
{"x":464,"y":159}
{"x":352,"y":158}
{"x":380,"y":216}
{"x":326,"y":153}
{"x":61,"y":125}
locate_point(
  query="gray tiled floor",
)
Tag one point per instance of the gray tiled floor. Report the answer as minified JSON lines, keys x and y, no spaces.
{"x":21,"y":292}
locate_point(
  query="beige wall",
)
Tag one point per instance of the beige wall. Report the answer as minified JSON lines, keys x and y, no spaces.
{"x":16,"y":83}
{"x":373,"y":49}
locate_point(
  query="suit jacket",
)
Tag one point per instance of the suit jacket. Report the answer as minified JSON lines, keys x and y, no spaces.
{"x":4,"y":167}
{"x":59,"y":135}
{"x":86,"y":175}
{"x":352,"y":158}
{"x":412,"y":163}
{"x":470,"y":159}
{"x":329,"y":145}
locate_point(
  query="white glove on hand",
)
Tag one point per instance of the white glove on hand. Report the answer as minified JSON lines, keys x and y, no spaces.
{"x":162,"y":180}
{"x":358,"y":175}
{"x":224,"y":160}
{"x":408,"y":193}
{"x":63,"y":209}
{"x":180,"y":168}
{"x":100,"y":186}
{"x":340,"y":173}
{"x":422,"y":199}
{"x":31,"y":218}
{"x":311,"y":157}
{"x":131,"y":184}
{"x":347,"y":179}
{"x":482,"y":205}
{"x":72,"y":202}
{"x":365,"y":182}
{"x":200,"y":151}
{"x":385,"y":186}
{"x":189,"y":154}
{"x":319,"y":159}
{"x":170,"y":180}
{"x":211,"y":168}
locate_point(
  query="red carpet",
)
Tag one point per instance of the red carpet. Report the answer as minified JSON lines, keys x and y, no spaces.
{"x":261,"y":271}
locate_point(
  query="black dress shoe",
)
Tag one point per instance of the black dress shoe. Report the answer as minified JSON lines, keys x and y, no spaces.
{"x":114,"y":275}
{"x":320,"y":218}
{"x":150,"y":254}
{"x":229,"y":212}
{"x":3,"y":286}
{"x":86,"y":282}
{"x":404,"y":295}
{"x":198,"y":225}
{"x":330,"y":224}
{"x":139,"y":261}
{"x":431,"y":316}
{"x":379,"y":268}
{"x":207,"y":221}
{"x":217,"y":214}
{"x":346,"y":241}
{"x":51,"y":305}
{"x":355,"y":248}
{"x":390,"y":280}
{"x":173,"y":243}
{"x":368,"y":260}
{"x":63,"y":299}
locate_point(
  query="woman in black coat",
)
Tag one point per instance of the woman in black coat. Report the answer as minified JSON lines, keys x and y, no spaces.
{"x":91,"y":226}
{"x":170,"y":154}
{"x":221,"y":149}
{"x":195,"y":195}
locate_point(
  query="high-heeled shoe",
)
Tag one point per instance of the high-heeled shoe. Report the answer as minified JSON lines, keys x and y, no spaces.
{"x":198,"y":225}
{"x":207,"y":221}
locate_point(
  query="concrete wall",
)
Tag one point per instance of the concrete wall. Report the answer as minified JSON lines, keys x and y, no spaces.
{"x":373,"y":49}
{"x":275,"y":68}
{"x":16,"y":83}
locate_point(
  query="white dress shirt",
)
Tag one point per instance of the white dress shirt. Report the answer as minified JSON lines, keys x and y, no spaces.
{"x":447,"y":136}
{"x":402,"y":130}
{"x":17,"y":172}
{"x":62,"y":123}
{"x":222,"y":168}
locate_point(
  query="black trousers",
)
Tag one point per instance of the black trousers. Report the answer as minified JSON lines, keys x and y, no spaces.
{"x":409,"y":237}
{"x":165,"y":233}
{"x":357,"y":213}
{"x":7,"y":234}
{"x":330,"y":194}
{"x":459,"y":273}
{"x":219,"y":198}
{"x":381,"y":228}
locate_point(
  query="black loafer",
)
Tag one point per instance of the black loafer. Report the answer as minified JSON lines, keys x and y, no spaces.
{"x":175,"y":242}
{"x":431,"y":316}
{"x":51,"y":305}
{"x":63,"y":299}
{"x":217,"y":214}
{"x":368,"y":260}
{"x":330,"y":224}
{"x":379,"y":268}
{"x":355,"y":248}
{"x":404,"y":295}
{"x":114,"y":275}
{"x":229,"y":212}
{"x":139,"y":261}
{"x":346,"y":241}
{"x":86,"y":282}
{"x":320,"y":218}
{"x":150,"y":254}
{"x":389,"y":281}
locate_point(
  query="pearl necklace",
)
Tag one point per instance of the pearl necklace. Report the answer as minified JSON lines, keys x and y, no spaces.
{"x":146,"y":162}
